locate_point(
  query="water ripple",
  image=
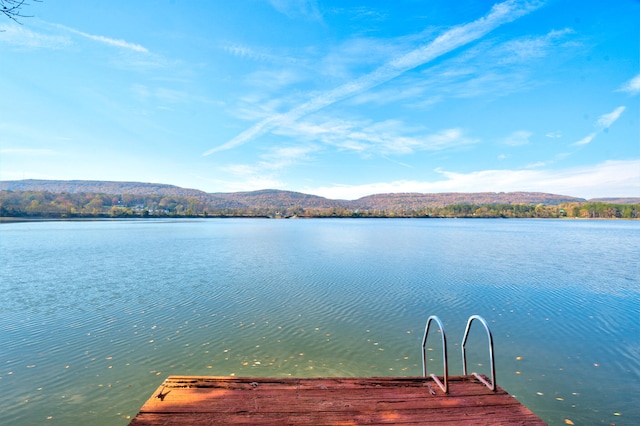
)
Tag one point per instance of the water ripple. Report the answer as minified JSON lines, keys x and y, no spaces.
{"x":97,"y":314}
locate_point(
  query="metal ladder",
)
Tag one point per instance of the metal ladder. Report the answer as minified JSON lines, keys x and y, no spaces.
{"x":445,"y":386}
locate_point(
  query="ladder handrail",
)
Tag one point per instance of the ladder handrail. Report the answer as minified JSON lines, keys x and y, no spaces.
{"x":491,"y":385}
{"x":445,"y":386}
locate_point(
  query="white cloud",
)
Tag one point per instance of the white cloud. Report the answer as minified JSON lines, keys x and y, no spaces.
{"x":20,"y":36}
{"x":294,"y":8}
{"x":606,"y":120}
{"x":488,"y":68}
{"x":263,"y":174}
{"x":485,"y":68}
{"x":115,"y":42}
{"x":282,"y":157}
{"x":243,"y":51}
{"x":356,"y":53}
{"x":272,"y":80}
{"x":263,"y":55}
{"x":106,"y":40}
{"x":390,"y":137}
{"x":446,"y":139}
{"x":528,"y":48}
{"x":587,"y":139}
{"x":603,"y":123}
{"x":608,"y":179}
{"x":454,"y":38}
{"x":632,"y":86}
{"x":554,"y":135}
{"x":163,"y":98}
{"x":521,"y":137}
{"x":536,"y":165}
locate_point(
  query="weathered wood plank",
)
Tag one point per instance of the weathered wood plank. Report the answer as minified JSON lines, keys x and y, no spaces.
{"x":454,"y":417}
{"x":330,"y":401}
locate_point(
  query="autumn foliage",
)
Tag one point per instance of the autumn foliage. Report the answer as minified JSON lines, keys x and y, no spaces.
{"x":69,"y":199}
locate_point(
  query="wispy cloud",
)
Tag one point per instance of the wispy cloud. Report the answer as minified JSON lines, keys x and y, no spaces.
{"x":536,"y":165}
{"x":488,"y":68}
{"x":606,"y":120}
{"x":163,"y":97}
{"x":587,"y":139}
{"x":261,"y":55}
{"x":632,"y":86}
{"x":298,"y":8}
{"x":106,"y":40}
{"x":243,"y":51}
{"x":521,"y":137}
{"x":282,"y":157}
{"x":526,"y":48}
{"x":264,"y":173}
{"x":610,"y":178}
{"x":273,"y":80}
{"x":602,"y":124}
{"x":554,"y":135}
{"x":17,"y":35}
{"x":390,"y":137}
{"x":364,"y":138}
{"x":456,"y":37}
{"x":347,"y":60}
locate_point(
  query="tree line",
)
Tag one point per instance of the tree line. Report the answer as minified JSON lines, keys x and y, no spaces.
{"x":43,"y":204}
{"x":63,"y":205}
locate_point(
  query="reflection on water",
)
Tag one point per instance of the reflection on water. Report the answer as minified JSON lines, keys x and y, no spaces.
{"x":96,"y":314}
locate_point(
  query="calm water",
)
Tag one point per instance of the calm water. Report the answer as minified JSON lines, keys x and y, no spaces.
{"x":94,"y":315}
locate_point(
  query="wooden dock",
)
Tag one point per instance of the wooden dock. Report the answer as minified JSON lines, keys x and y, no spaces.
{"x":191,"y":400}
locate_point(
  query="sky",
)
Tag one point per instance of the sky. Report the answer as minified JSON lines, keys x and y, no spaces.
{"x":340,"y":99}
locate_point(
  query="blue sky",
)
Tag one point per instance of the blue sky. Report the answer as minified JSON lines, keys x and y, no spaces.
{"x":335,"y":98}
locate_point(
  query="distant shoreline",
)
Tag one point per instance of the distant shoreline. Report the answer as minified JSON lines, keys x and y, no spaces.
{"x":113,"y":200}
{"x":8,"y":220}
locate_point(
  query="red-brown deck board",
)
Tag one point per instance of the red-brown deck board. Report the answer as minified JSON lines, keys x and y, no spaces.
{"x":329,"y":401}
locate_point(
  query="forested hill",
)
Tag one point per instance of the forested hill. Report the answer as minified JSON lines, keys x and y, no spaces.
{"x":98,"y":187}
{"x":270,"y":198}
{"x":52,"y":198}
{"x":414,"y":201}
{"x":617,"y":200}
{"x":273,"y":198}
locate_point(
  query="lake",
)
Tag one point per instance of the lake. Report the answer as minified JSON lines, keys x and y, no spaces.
{"x":96,"y":314}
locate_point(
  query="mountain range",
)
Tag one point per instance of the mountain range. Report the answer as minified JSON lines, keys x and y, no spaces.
{"x":271,"y":198}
